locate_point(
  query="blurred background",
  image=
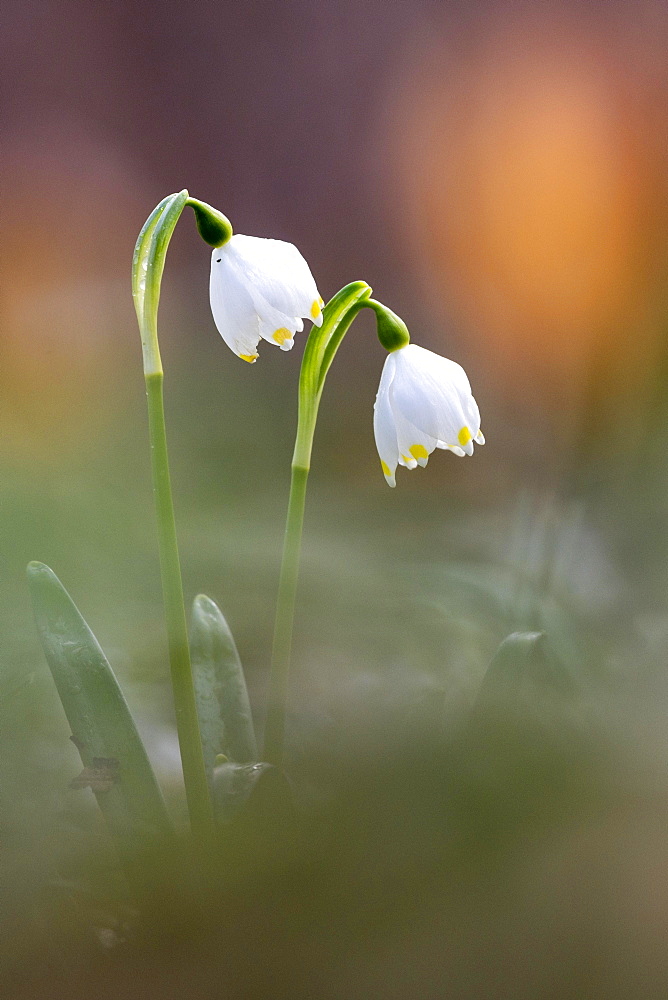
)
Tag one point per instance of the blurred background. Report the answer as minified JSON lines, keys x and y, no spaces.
{"x":498,"y":172}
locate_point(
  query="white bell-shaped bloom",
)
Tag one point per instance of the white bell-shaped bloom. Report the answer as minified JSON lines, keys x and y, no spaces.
{"x":424,"y":402}
{"x":261,"y":289}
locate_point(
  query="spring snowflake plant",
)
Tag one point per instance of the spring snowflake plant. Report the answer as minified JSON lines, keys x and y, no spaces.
{"x":261,"y":289}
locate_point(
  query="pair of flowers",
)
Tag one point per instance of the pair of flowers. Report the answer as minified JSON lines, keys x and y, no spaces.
{"x":264,"y":289}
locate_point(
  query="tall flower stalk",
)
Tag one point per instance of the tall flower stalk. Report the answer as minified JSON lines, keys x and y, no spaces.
{"x":319,"y":352}
{"x":147,"y":268}
{"x":424,"y":402}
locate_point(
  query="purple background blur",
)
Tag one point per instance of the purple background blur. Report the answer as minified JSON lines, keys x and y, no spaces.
{"x":497,"y":171}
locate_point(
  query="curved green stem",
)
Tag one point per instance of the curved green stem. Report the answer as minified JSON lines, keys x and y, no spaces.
{"x":319,"y":353}
{"x":147,"y":268}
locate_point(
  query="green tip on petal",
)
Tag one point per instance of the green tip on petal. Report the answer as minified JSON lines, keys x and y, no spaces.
{"x":214,"y":228}
{"x":391,"y":329}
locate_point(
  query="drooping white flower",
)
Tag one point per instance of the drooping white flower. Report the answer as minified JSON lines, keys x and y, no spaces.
{"x":424,"y":402}
{"x":261,"y":289}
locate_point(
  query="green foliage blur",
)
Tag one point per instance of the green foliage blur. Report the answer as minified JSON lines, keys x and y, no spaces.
{"x":425,"y":815}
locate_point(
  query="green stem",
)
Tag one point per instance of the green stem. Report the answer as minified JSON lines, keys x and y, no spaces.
{"x":285,"y":613}
{"x":321,"y":347}
{"x":148,"y":263}
{"x":187,"y":723}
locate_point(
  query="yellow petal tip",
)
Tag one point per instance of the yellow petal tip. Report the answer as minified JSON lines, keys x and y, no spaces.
{"x":250,"y":358}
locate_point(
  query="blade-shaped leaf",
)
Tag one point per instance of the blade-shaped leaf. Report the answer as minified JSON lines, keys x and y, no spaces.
{"x":509,"y":667}
{"x":226,"y":722}
{"x":233,"y":784}
{"x":116,"y":765}
{"x":256,"y":811}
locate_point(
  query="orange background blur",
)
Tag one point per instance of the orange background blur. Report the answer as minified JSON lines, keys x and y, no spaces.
{"x":497,"y":171}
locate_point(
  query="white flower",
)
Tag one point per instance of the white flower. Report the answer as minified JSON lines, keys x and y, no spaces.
{"x":424,"y":402}
{"x":261,"y":288}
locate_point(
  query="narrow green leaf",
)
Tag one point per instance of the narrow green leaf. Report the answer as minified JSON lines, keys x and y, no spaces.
{"x":260,"y":791}
{"x":226,"y":722}
{"x":116,"y":765}
{"x":509,"y":667}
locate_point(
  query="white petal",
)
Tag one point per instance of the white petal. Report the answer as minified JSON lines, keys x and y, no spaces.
{"x":277,"y":328}
{"x":434,"y":395}
{"x":454,"y":448}
{"x":232,"y":306}
{"x":472,"y":415}
{"x":276,"y":275}
{"x":415,"y":446}
{"x":383,"y":424}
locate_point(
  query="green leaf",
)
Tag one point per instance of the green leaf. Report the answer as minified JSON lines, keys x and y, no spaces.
{"x":116,"y":765}
{"x":253,"y":788}
{"x":510,"y":667}
{"x":225,"y":718}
